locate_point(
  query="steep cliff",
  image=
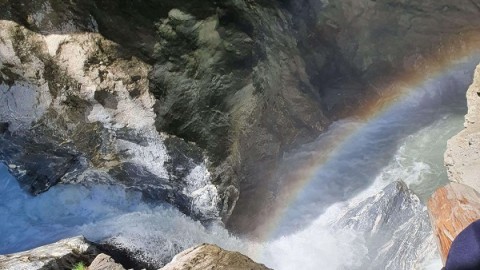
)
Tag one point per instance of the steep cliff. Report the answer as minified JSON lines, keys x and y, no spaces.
{"x":195,"y":103}
{"x":462,"y":157}
{"x":454,"y":207}
{"x":358,"y":47}
{"x":100,"y":94}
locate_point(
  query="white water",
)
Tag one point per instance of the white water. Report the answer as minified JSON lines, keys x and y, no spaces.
{"x":107,"y":211}
{"x":159,"y":231}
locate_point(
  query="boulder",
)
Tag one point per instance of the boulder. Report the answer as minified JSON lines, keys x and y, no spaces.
{"x":451,"y":209}
{"x":105,"y":262}
{"x":61,"y":255}
{"x":212,"y":257}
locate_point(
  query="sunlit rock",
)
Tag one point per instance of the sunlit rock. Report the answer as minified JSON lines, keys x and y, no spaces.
{"x":57,"y":256}
{"x":104,"y":262}
{"x":452,"y":208}
{"x":211,"y":257}
{"x":75,"y":111}
{"x":455,"y":206}
{"x":462,"y":157}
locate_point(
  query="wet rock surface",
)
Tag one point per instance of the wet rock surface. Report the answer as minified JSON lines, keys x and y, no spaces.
{"x":57,"y":256}
{"x":238,"y":83}
{"x":82,"y":125}
{"x":392,"y":223}
{"x":226,"y":76}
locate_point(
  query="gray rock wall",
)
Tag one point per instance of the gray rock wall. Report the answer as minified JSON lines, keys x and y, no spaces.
{"x":228,"y":78}
{"x":240,"y":81}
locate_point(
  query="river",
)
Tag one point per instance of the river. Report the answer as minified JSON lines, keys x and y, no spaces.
{"x":405,"y":143}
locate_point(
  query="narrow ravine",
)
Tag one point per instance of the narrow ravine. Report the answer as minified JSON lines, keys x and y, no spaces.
{"x":353,"y":160}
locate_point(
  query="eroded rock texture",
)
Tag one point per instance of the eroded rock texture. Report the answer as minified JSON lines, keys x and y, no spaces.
{"x":103,"y":83}
{"x":78,"y":111}
{"x":452,"y":208}
{"x":211,"y":257}
{"x":392,"y":223}
{"x":455,"y":206}
{"x":194,"y":102}
{"x":104,"y":262}
{"x":57,"y":256}
{"x":462,"y":157}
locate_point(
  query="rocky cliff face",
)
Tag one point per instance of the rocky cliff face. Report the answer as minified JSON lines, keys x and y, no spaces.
{"x":462,"y":157}
{"x":356,"y":47}
{"x":100,"y":97}
{"x":195,"y":102}
{"x":76,"y":111}
{"x":454,"y":207}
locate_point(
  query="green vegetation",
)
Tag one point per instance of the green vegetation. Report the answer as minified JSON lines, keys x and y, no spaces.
{"x":79,"y":266}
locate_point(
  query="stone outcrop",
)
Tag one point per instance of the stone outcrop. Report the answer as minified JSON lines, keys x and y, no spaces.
{"x":462,"y":157}
{"x":79,"y":111}
{"x":104,"y":262}
{"x":212,"y":257}
{"x":65,"y":254}
{"x":395,"y":227}
{"x":454,"y":207}
{"x":57,"y":256}
{"x":240,"y":81}
{"x":106,"y":94}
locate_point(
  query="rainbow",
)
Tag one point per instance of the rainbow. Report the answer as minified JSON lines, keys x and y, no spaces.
{"x":394,"y":95}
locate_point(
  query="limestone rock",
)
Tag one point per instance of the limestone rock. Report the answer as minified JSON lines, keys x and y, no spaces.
{"x":462,"y":157}
{"x":211,"y":257}
{"x":452,"y":208}
{"x":61,"y":255}
{"x":104,"y":262}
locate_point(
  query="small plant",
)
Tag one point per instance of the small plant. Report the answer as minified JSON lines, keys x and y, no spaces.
{"x":79,"y":266}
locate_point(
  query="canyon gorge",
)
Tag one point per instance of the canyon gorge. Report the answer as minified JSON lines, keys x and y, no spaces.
{"x":303,"y":134}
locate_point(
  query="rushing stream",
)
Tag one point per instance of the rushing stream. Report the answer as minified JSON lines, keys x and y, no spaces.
{"x":407,"y":143}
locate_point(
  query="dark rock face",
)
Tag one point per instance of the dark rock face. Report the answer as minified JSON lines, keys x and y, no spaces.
{"x":240,"y":82}
{"x":355,"y":47}
{"x":227,"y":76}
